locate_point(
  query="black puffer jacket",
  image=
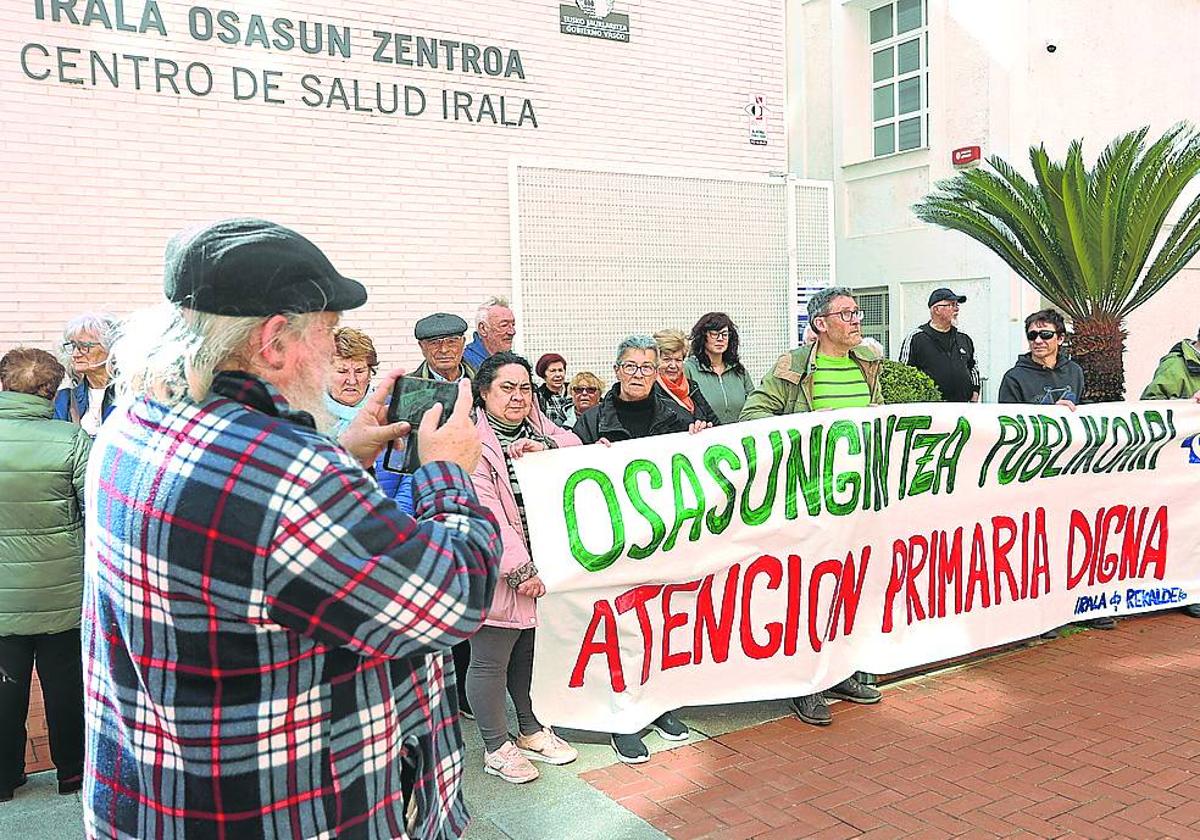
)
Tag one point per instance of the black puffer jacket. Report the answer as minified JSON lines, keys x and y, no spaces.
{"x":602,"y":421}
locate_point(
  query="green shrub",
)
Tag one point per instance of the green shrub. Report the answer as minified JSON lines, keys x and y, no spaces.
{"x":904,"y":384}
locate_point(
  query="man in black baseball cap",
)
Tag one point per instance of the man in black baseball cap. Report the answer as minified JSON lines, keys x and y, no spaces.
{"x":942,"y":351}
{"x":246,"y":567}
{"x":442,"y":339}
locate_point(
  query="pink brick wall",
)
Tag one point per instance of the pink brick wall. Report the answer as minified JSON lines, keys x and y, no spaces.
{"x":97,"y":178}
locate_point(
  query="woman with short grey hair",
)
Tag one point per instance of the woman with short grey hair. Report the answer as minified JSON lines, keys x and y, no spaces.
{"x":635,"y":408}
{"x":88,"y":399}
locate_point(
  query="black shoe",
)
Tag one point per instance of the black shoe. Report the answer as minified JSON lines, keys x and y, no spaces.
{"x":464,"y":708}
{"x":71,"y":785}
{"x":811,"y":709}
{"x":853,"y":691}
{"x":1106,"y":622}
{"x":1193,"y":610}
{"x":670,"y":727}
{"x":6,"y":794}
{"x":630,"y":749}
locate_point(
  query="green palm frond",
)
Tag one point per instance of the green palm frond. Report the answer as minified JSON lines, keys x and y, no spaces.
{"x":1088,"y":240}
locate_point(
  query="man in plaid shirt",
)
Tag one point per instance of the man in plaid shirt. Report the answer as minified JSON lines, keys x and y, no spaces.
{"x":263,"y":628}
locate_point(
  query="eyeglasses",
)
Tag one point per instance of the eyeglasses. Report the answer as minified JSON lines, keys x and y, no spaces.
{"x":632,"y":368}
{"x":1044,"y":335}
{"x":847,"y":315}
{"x":722,"y":333}
{"x":443,"y":343}
{"x":585,"y":389}
{"x":953,"y":304}
{"x":80,"y":346}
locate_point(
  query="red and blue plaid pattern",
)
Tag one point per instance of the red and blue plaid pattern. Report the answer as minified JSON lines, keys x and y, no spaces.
{"x":264,"y":629}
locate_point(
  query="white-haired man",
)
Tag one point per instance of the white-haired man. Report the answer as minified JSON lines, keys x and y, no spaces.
{"x":263,"y":627}
{"x":495,"y":328}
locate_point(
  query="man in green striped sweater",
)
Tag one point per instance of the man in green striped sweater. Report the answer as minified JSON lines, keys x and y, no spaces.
{"x":836,"y":371}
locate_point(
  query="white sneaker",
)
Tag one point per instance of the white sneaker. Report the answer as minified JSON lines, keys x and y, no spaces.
{"x":546,"y":746}
{"x":509,"y":764}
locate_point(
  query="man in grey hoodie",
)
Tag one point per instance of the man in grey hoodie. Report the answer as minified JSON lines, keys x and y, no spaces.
{"x":1046,"y":375}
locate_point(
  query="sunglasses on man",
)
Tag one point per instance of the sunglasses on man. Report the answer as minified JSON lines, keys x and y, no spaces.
{"x":1044,"y":335}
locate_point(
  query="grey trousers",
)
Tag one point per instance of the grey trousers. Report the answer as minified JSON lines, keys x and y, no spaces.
{"x":501,"y":658}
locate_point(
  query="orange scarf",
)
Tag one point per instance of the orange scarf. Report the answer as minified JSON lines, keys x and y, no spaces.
{"x":680,"y":391}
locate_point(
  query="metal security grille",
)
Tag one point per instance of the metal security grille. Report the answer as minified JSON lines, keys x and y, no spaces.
{"x":600,"y":255}
{"x":874,"y":306}
{"x":812,"y":232}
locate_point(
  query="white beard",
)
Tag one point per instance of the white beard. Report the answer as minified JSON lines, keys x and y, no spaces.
{"x":308,"y":394}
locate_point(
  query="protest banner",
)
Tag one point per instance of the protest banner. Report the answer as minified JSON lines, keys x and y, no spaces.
{"x":775,"y":558}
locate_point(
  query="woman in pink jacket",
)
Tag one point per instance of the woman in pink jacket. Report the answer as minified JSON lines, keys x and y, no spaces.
{"x":510,"y":425}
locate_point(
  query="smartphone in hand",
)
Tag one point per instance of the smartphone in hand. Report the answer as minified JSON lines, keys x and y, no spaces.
{"x":411,"y":398}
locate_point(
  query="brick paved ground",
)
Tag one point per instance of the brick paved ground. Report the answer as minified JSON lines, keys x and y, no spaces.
{"x":37,"y":748}
{"x":1093,"y":735}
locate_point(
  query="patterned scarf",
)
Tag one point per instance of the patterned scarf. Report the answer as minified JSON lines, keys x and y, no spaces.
{"x":508,"y":434}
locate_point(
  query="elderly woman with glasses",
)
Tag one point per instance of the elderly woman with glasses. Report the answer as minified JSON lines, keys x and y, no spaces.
{"x":713,"y":364}
{"x":354,"y":363}
{"x":510,"y":425}
{"x":88,"y":399}
{"x":636,"y":408}
{"x":633,"y":407}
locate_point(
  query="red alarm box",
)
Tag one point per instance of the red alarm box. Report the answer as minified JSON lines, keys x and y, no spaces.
{"x":966,"y":156}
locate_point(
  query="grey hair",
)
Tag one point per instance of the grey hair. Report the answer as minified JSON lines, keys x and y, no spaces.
{"x":481,"y":314}
{"x":636,"y":342}
{"x":171,"y":354}
{"x":100,"y":324}
{"x":818,"y":304}
{"x":103,"y":325}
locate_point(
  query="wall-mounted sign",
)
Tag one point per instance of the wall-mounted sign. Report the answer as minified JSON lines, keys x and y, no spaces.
{"x":966,"y":156}
{"x":364,"y":89}
{"x":593,"y":19}
{"x":757,"y":110}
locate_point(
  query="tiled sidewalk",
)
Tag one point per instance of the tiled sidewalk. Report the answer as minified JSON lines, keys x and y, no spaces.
{"x":1093,"y":735}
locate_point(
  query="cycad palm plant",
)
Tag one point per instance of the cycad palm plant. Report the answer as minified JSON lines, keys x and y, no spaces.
{"x":1085,"y":239}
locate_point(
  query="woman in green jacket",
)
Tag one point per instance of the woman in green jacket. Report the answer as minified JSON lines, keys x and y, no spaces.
{"x":42,"y":466}
{"x":714,"y":365}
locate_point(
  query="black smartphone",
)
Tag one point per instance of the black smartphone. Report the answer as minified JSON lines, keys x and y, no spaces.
{"x":411,"y":398}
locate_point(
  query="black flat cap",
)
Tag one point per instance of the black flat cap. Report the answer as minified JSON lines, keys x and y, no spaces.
{"x":252,"y":268}
{"x":439,"y":325}
{"x":940,"y":295}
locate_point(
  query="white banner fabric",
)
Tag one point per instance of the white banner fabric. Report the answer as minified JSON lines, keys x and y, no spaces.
{"x":776,"y":557}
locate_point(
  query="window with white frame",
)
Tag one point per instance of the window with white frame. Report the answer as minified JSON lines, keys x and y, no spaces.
{"x":899,"y":77}
{"x":874,"y":306}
